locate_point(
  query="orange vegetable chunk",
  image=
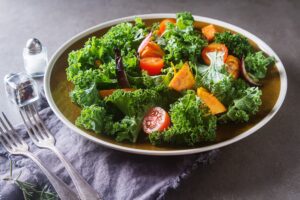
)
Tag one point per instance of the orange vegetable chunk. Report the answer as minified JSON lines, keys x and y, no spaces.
{"x":233,"y":66}
{"x":209,"y":32}
{"x":211,"y":101}
{"x":183,"y":79}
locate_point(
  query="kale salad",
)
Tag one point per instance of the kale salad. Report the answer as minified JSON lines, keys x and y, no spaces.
{"x":169,"y":83}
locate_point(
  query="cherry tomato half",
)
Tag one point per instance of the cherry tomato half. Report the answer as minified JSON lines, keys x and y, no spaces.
{"x":157,"y":119}
{"x":152,"y":65}
{"x":163,"y":25}
{"x":211,"y":48}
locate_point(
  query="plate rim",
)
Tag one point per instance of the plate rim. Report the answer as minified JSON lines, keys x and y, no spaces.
{"x":260,"y":43}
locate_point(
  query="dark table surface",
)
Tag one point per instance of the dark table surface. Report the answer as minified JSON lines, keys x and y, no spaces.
{"x":265,"y":165}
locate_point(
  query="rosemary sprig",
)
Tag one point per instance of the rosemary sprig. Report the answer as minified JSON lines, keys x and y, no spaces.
{"x":29,"y":190}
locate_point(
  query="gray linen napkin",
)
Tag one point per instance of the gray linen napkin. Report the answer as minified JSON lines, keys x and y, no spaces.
{"x":114,"y":174}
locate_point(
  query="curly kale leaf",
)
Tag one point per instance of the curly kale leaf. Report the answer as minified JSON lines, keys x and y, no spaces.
{"x":125,"y":36}
{"x":83,"y":58}
{"x":134,"y":103}
{"x":127,"y":129}
{"x":216,"y":79}
{"x":236,"y":43}
{"x":242,"y":100}
{"x":243,"y":107}
{"x":191,"y":121}
{"x":95,"y":118}
{"x":134,"y":106}
{"x":147,"y":81}
{"x":257,"y":64}
{"x":84,"y":79}
{"x":130,"y":62}
{"x":181,"y":41}
{"x":86,"y":97}
{"x":185,"y":21}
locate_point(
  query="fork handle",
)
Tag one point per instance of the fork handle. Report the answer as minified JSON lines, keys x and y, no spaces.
{"x":63,"y":191}
{"x":85,"y":191}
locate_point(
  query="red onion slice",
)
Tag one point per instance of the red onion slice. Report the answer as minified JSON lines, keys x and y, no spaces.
{"x":144,"y":42}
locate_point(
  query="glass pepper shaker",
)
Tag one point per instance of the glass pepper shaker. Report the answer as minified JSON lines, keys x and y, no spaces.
{"x":35,"y":58}
{"x":21,"y":89}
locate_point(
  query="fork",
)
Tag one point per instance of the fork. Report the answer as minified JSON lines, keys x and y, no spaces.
{"x":42,"y":138}
{"x":15,"y":145}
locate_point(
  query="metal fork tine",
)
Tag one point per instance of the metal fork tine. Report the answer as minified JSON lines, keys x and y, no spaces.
{"x":29,"y":130}
{"x":2,"y":134}
{"x":1,"y":130}
{"x":8,"y":141}
{"x":12,"y":128}
{"x":36,"y":122}
{"x":46,"y":132}
{"x":8,"y":136}
{"x":5,"y":145}
{"x":3,"y":124}
{"x":8,"y":122}
{"x":33,"y":128}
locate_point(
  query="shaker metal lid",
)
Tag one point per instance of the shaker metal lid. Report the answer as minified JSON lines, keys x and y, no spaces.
{"x":33,"y":46}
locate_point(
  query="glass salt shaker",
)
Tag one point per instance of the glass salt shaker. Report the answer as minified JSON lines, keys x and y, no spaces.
{"x":21,"y":89}
{"x":35,"y":58}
